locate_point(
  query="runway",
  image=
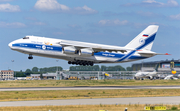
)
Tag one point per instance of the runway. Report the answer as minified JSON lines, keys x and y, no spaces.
{"x":88,"y":88}
{"x":135,"y":100}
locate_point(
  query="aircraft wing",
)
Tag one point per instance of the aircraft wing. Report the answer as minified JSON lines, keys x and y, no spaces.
{"x":121,"y":49}
{"x":94,"y":47}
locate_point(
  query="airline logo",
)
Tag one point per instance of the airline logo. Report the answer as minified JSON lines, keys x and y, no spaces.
{"x":141,"y":41}
{"x":145,"y":35}
{"x":44,"y":47}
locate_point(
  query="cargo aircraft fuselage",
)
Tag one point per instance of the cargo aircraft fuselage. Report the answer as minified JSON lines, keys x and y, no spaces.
{"x":83,"y":53}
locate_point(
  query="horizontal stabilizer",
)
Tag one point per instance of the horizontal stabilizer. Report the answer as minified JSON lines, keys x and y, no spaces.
{"x":150,"y":53}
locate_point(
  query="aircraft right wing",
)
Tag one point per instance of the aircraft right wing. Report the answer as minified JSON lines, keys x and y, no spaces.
{"x":94,"y":47}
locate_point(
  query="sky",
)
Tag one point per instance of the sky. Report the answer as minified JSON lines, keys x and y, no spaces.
{"x":111,"y":22}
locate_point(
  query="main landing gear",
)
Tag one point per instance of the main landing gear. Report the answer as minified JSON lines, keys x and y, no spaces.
{"x":30,"y":56}
{"x":81,"y":62}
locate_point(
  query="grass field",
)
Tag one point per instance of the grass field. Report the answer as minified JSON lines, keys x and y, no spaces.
{"x":64,"y":83}
{"x":79,"y":94}
{"x":100,"y":107}
{"x":84,"y":94}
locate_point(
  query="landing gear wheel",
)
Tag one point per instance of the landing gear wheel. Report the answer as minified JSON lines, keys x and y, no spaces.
{"x":69,"y":62}
{"x":30,"y":56}
{"x":91,"y":64}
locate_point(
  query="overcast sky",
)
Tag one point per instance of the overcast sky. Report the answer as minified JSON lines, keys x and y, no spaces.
{"x":112,"y":22}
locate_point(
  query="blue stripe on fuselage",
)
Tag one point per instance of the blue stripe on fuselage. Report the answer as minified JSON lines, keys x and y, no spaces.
{"x":108,"y":54}
{"x":38,"y":46}
{"x":56,"y":48}
{"x":118,"y":55}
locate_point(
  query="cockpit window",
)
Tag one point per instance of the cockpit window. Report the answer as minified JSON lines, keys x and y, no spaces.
{"x":26,"y":38}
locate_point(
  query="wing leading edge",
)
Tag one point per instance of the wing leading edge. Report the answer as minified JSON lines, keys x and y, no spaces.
{"x":94,"y":47}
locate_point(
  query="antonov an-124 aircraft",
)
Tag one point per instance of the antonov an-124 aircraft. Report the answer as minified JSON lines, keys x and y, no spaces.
{"x":82,"y":53}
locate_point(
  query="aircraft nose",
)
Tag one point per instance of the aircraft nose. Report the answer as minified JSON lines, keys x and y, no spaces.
{"x":10,"y":45}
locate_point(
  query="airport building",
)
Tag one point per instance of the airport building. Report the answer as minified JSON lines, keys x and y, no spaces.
{"x":56,"y":76}
{"x":6,"y":74}
{"x":44,"y":76}
{"x":164,"y":65}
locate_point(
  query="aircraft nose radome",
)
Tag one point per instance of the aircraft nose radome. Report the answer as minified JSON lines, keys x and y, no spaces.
{"x":10,"y":45}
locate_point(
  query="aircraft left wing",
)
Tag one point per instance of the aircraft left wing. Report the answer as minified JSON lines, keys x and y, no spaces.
{"x":94,"y":47}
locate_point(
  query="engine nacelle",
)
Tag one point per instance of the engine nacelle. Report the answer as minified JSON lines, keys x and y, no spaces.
{"x":86,"y":52}
{"x":68,"y":50}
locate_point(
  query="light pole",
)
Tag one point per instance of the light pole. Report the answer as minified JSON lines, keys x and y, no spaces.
{"x":57,"y":64}
{"x":57,"y":73}
{"x":12,"y":66}
{"x":142,"y":65}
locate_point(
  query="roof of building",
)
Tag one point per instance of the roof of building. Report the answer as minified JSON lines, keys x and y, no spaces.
{"x":162,"y":61}
{"x":6,"y":71}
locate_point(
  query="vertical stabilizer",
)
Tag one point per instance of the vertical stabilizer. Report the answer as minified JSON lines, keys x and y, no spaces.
{"x":145,"y":39}
{"x":156,"y":68}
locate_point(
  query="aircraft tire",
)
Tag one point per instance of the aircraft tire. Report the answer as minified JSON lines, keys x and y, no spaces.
{"x":30,"y":57}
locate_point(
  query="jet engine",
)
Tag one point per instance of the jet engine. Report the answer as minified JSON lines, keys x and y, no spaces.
{"x":69,"y":50}
{"x":86,"y":52}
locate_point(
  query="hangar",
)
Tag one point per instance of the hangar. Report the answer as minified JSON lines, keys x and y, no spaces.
{"x":164,"y":65}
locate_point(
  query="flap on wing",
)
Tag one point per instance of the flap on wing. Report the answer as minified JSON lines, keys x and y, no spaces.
{"x":95,"y":47}
{"x":98,"y":49}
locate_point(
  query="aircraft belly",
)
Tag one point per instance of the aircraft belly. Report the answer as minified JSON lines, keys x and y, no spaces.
{"x":56,"y":52}
{"x":43,"y":53}
{"x":105,"y":59}
{"x":53,"y":54}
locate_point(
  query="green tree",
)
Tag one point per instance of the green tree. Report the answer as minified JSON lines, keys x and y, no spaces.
{"x":96,"y":68}
{"x":128,"y":68}
{"x":28,"y":71}
{"x":112,"y":68}
{"x":119,"y":68}
{"x":35,"y":69}
{"x":84,"y":68}
{"x":41,"y":76}
{"x":103,"y":68}
{"x":50,"y":69}
{"x":19,"y":74}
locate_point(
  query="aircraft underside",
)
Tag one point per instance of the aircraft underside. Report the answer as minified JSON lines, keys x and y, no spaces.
{"x":72,"y":59}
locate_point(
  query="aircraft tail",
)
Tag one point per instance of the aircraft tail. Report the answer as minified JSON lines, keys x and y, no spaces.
{"x":156,"y":68}
{"x":145,"y":39}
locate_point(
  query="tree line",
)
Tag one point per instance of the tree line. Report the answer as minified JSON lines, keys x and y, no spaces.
{"x":36,"y":70}
{"x":98,"y":68}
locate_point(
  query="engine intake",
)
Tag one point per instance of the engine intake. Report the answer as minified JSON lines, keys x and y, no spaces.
{"x":86,"y":52}
{"x":69,"y":50}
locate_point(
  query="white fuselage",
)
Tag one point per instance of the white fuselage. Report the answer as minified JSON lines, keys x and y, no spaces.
{"x":141,"y":75}
{"x":48,"y":47}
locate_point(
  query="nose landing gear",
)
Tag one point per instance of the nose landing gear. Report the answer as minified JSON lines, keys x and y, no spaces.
{"x":30,"y":56}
